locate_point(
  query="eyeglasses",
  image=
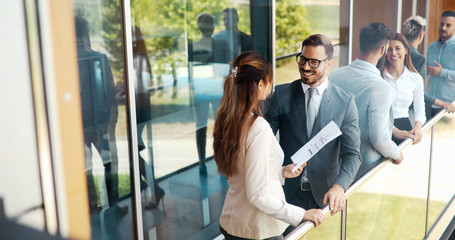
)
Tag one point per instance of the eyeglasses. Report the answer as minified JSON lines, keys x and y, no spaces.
{"x":314,"y":63}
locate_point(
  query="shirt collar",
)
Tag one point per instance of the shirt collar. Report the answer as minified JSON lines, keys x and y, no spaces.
{"x":450,"y":40}
{"x":405,"y":72}
{"x":321,"y":88}
{"x":366,"y":66}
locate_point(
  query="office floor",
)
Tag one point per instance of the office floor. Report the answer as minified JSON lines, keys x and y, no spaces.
{"x":190,"y":209}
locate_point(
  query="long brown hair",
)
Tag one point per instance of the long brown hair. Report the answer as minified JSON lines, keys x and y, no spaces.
{"x":240,"y":100}
{"x":407,"y":58}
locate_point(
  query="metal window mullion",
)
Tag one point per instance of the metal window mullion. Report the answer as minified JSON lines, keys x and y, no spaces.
{"x":133,"y":143}
{"x":41,"y":118}
{"x":350,"y":29}
{"x":273,"y":36}
{"x":344,"y":220}
{"x":429,"y":182}
{"x":398,"y":15}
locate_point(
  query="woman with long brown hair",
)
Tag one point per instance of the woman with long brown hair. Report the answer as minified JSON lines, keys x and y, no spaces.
{"x":407,"y":85}
{"x":247,"y":152}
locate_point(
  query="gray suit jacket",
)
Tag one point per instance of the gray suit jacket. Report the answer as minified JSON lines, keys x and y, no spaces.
{"x":339,"y":160}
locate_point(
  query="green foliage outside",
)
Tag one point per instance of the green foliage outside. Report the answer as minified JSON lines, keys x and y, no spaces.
{"x":375,"y":216}
{"x":112,"y":35}
{"x":291,"y":26}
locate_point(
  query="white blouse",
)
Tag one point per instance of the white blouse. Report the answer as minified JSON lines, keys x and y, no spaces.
{"x":407,"y":88}
{"x":255,"y":206}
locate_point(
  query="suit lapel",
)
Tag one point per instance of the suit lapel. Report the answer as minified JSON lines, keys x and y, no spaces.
{"x":323,"y":114}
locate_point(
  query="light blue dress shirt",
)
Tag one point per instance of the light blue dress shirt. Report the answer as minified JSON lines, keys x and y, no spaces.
{"x":442,"y":87}
{"x":373,"y":97}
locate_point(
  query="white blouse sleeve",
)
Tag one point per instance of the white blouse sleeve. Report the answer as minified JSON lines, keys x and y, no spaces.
{"x":257,"y":168}
{"x":418,"y":98}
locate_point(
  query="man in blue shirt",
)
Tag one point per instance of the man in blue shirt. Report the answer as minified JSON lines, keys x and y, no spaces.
{"x":373,"y":97}
{"x":441,"y":61}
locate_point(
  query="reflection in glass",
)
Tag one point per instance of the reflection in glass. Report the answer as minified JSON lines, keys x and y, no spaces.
{"x":179,"y":68}
{"x":103,"y":117}
{"x":237,"y":40}
{"x":208,"y":64}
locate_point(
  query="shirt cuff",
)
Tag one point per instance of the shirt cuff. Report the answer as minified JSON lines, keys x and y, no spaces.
{"x":396,"y":154}
{"x":444,"y":73}
{"x":281,"y":177}
{"x":298,"y":215}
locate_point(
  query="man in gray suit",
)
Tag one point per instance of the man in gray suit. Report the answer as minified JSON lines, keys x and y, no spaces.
{"x":299,"y":117}
{"x":373,"y":97}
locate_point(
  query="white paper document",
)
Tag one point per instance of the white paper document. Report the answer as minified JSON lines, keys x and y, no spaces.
{"x":327,"y":134}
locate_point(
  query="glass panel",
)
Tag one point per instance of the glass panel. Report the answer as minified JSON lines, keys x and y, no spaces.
{"x":393,"y":204}
{"x":310,"y":17}
{"x":182,"y":51}
{"x":330,"y":229}
{"x":102,"y":84}
{"x":442,"y":189}
{"x":21,"y":200}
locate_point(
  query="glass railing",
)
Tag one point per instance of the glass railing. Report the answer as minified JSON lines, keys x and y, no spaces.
{"x":413,"y":200}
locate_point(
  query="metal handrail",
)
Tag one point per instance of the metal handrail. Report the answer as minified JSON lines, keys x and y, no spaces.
{"x":307,"y":226}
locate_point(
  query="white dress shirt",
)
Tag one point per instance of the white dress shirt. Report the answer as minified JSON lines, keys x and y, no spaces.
{"x":255,"y":206}
{"x":408,"y":88}
{"x":318,"y":96}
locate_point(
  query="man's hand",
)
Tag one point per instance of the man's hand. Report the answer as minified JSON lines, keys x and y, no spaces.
{"x":449,"y":107}
{"x":435,"y":71}
{"x":402,"y":134}
{"x":314,"y":215}
{"x":287,"y":171}
{"x":398,"y":161}
{"x":336,"y":198}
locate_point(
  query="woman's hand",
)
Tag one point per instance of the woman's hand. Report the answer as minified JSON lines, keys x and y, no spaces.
{"x":287,"y":170}
{"x":314,"y":215}
{"x":417,"y":132}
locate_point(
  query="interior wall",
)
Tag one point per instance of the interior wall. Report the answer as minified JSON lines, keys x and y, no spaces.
{"x":384,"y":12}
{"x":437,"y":7}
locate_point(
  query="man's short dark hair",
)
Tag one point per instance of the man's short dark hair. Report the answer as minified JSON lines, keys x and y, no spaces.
{"x":232,"y":12}
{"x":373,"y":37}
{"x":319,"y":40}
{"x":448,"y":13}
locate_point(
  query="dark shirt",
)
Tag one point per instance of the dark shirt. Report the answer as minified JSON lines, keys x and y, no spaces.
{"x":418,"y":60}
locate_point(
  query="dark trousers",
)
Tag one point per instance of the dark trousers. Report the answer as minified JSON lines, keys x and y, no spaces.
{"x":228,"y":236}
{"x":302,"y":199}
{"x":402,"y":124}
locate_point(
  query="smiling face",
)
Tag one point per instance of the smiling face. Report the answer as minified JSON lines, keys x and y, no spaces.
{"x":396,"y":53}
{"x":312,"y":76}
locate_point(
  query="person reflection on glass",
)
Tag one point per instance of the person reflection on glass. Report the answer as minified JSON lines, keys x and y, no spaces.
{"x":237,"y":40}
{"x":99,"y":117}
{"x":206,"y":53}
{"x":142,"y":77}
